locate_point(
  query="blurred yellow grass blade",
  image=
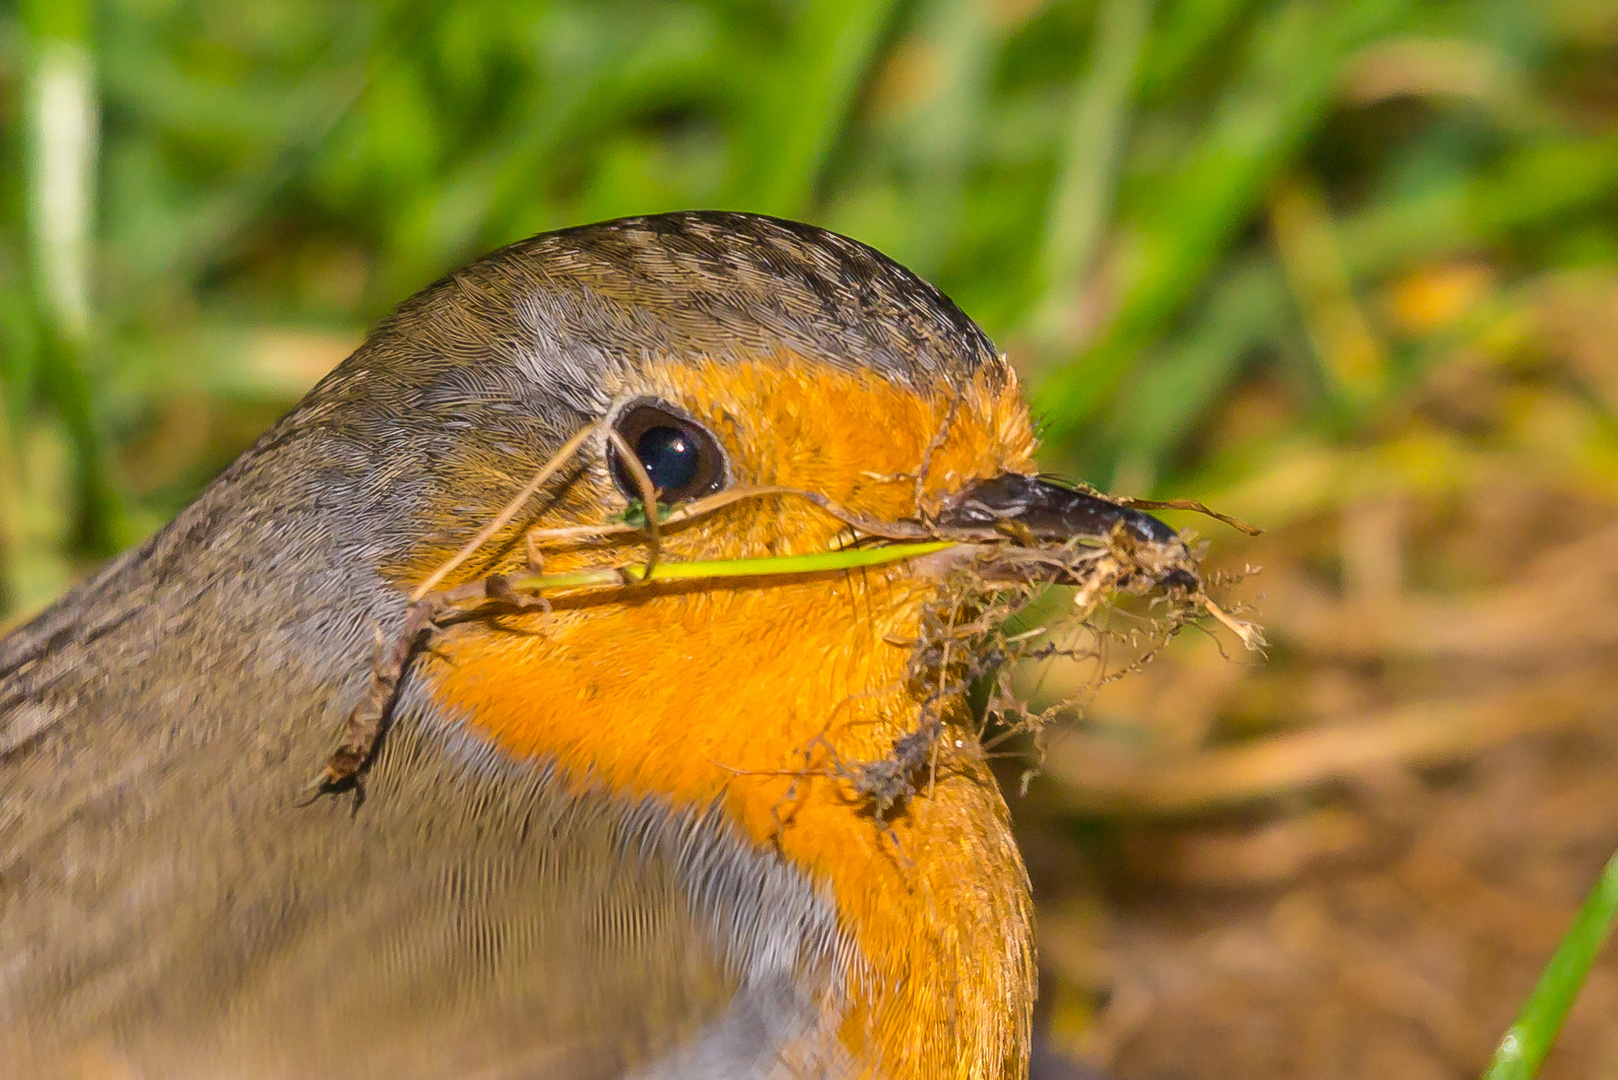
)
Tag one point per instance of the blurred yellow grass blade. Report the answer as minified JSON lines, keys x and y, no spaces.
{"x":1351,"y":354}
{"x":1095,"y":778}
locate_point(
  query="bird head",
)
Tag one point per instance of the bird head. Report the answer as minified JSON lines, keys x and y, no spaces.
{"x":809,"y":394}
{"x":732,"y":354}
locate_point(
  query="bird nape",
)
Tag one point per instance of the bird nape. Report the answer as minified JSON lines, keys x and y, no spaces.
{"x":654,"y":581}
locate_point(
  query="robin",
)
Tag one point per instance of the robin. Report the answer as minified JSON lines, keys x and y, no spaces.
{"x":598,"y":838}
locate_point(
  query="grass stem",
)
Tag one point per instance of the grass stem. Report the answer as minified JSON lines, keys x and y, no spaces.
{"x":1529,"y":1039}
{"x":818,"y":562}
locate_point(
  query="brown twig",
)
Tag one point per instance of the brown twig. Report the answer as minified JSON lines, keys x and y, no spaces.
{"x":503,"y":518}
{"x":1250,"y":635}
{"x":937,"y":441}
{"x":1184,"y":504}
{"x":363,"y":725}
{"x":648,"y":497}
{"x":692,"y":511}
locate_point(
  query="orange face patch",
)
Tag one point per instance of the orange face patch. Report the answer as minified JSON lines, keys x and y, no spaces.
{"x":852,"y":436}
{"x":751,"y":694}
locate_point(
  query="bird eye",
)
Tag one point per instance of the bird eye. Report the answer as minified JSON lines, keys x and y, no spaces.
{"x":680,"y":456}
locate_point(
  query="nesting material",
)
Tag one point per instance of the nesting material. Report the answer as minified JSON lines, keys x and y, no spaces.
{"x":978,"y":633}
{"x":972,"y":636}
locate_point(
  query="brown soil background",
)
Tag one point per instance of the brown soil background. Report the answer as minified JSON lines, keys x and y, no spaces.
{"x":1352,"y":858}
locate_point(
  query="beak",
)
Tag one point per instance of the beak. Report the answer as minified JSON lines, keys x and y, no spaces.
{"x":1027,"y":505}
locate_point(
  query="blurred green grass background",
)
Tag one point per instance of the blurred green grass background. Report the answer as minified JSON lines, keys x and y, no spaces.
{"x":203,"y":204}
{"x":1344,"y":268}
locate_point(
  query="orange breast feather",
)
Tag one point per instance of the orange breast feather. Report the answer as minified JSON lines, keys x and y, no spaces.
{"x":749,"y":693}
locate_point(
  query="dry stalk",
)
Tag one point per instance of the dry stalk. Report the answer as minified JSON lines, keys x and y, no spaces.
{"x":1186,"y":504}
{"x":648,"y":498}
{"x":365,"y":721}
{"x":503,"y":518}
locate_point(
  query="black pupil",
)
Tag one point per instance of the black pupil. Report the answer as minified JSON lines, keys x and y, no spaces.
{"x":669,"y":456}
